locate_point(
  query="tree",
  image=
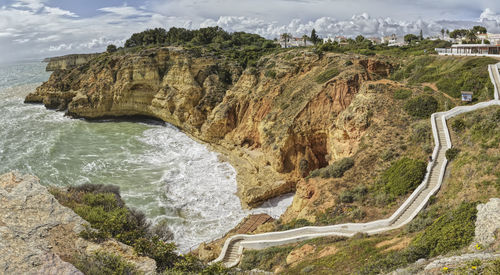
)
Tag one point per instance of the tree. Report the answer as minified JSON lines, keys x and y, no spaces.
{"x":410,"y":38}
{"x":458,"y":33}
{"x":285,"y":37}
{"x":305,"y":38}
{"x":111,"y":48}
{"x":314,"y":37}
{"x":421,"y":36}
{"x":479,"y":29}
{"x":471,"y":36}
{"x":442,"y":33}
{"x":360,"y":39}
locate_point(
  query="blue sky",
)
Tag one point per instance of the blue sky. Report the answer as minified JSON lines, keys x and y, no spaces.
{"x":33,"y":29}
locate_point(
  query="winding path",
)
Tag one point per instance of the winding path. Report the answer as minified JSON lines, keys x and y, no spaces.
{"x":233,"y":247}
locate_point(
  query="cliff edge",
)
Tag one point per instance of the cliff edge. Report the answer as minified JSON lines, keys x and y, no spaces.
{"x":40,"y":236}
{"x":275,"y":122}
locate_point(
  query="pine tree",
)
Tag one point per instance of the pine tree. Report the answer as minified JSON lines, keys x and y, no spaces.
{"x":421,"y":36}
{"x":314,"y":37}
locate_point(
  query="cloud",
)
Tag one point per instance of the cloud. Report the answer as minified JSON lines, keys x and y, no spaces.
{"x":126,"y":11}
{"x":491,"y":20}
{"x":35,"y":28}
{"x":58,"y":11}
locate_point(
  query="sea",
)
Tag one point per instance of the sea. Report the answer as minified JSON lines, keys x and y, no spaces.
{"x":160,"y":170}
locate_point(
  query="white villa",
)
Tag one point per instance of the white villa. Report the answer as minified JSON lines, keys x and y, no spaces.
{"x":394,"y":40}
{"x":292,"y":42}
{"x":491,"y":49}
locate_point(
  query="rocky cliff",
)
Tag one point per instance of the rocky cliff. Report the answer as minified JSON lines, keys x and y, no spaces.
{"x":275,"y":123}
{"x":68,"y":62}
{"x":40,"y":236}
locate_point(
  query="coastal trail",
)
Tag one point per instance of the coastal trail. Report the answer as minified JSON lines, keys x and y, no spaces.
{"x":232,"y":250}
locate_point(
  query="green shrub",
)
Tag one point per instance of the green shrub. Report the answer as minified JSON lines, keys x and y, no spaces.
{"x":424,"y":218}
{"x":388,"y":154}
{"x":103,"y":208}
{"x":452,"y":231}
{"x":348,"y":63}
{"x":163,"y":253}
{"x":403,"y":176}
{"x":335,"y":170}
{"x":346,"y":197}
{"x":402,"y":94}
{"x":327,"y":75}
{"x":101,"y":262}
{"x":358,"y":193}
{"x":458,"y":125}
{"x":264,"y":259}
{"x":428,"y":89}
{"x":295,"y":223}
{"x":366,"y":52}
{"x":422,"y":106}
{"x":270,"y":74}
{"x":452,"y":153}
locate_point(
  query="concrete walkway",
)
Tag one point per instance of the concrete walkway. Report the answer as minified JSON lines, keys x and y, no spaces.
{"x":233,"y":247}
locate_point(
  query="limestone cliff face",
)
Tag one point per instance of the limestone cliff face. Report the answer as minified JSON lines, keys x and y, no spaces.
{"x":68,"y":61}
{"x":275,"y":123}
{"x":39,"y":236}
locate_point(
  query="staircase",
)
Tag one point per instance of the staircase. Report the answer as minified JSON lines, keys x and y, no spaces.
{"x":232,"y":250}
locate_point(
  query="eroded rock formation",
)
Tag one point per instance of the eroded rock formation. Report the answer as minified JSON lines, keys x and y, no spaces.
{"x":275,"y":123}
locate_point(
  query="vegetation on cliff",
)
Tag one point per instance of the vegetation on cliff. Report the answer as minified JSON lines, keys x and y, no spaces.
{"x":451,"y":75}
{"x":436,"y":230}
{"x":297,"y":113}
{"x":243,"y":47}
{"x":375,"y":254}
{"x":475,"y":170}
{"x":361,"y":45}
{"x":109,"y":217}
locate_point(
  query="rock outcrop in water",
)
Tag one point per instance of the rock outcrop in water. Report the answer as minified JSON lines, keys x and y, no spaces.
{"x":40,"y":236}
{"x":275,"y":123}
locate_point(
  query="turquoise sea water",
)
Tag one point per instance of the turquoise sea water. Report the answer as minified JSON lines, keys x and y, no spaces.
{"x":160,"y":170}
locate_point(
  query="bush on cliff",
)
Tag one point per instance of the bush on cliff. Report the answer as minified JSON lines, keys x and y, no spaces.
{"x":334,"y":170}
{"x":101,"y":262}
{"x":402,"y":94}
{"x":403,"y":176}
{"x":327,"y":75}
{"x":103,"y":208}
{"x":422,"y":106}
{"x":452,"y":231}
{"x":452,"y":153}
{"x":265,"y":259}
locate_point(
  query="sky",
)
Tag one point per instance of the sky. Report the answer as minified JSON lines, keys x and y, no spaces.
{"x":34,"y":29}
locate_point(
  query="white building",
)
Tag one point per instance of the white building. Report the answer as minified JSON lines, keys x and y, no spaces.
{"x":471,"y":50}
{"x":394,"y":40}
{"x":493,"y":38}
{"x":291,"y":42}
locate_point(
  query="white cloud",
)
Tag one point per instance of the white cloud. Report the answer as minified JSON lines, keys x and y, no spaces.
{"x":60,"y":47}
{"x":33,"y":28}
{"x":22,"y":41}
{"x":34,"y":5}
{"x":125,"y":11}
{"x":491,"y":20}
{"x":58,"y":11}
